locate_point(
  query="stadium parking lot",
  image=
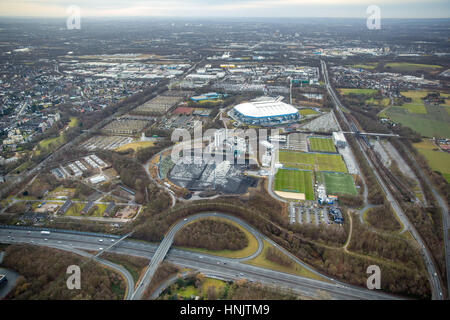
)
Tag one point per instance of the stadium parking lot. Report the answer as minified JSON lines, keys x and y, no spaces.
{"x":308,"y":214}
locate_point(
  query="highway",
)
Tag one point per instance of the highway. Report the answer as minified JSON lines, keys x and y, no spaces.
{"x":431,"y":268}
{"x":445,"y":217}
{"x":226,"y":268}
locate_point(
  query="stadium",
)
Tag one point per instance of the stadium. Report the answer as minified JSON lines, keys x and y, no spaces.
{"x":265,"y":111}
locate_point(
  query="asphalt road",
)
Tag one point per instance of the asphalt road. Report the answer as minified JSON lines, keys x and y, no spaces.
{"x":226,"y":268}
{"x":165,"y":245}
{"x":432,"y":273}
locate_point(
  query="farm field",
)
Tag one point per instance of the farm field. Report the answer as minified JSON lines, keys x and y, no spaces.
{"x":295,"y":181}
{"x":313,"y":161}
{"x":411,"y":67}
{"x":322,"y":144}
{"x":339,"y":183}
{"x":435,"y":123}
{"x":437,"y":160}
{"x":416,"y":105}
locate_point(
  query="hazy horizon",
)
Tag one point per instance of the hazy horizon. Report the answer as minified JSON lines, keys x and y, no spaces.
{"x":394,"y":9}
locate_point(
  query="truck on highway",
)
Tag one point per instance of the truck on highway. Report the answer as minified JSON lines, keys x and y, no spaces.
{"x":45,"y":232}
{"x":3,"y":279}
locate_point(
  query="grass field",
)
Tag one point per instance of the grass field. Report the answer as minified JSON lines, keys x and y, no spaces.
{"x":346,"y":91}
{"x":330,"y":162}
{"x":56,"y":141}
{"x":339,"y":183}
{"x":383,"y":103}
{"x":366,"y":66}
{"x":410,"y":67}
{"x":313,"y":161}
{"x":307,"y":112}
{"x":416,"y":105}
{"x":294,"y":181}
{"x":437,"y":160}
{"x":262,"y":261}
{"x":322,"y":144}
{"x":135,"y":145}
{"x":73,"y":122}
{"x":435,"y":123}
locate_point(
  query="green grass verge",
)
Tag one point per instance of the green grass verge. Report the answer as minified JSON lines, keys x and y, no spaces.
{"x":262,"y":261}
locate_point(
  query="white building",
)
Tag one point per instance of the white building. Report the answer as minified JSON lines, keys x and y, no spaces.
{"x":339,"y":139}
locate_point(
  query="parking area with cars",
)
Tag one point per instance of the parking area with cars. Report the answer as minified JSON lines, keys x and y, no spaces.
{"x":308,"y":213}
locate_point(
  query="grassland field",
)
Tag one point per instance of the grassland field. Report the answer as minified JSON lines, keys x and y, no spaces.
{"x":366,"y":66}
{"x":435,"y":123}
{"x":410,"y":67}
{"x":437,"y":160}
{"x":347,"y":91}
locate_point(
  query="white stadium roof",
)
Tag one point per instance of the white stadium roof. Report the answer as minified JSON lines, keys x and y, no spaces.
{"x":265,"y":108}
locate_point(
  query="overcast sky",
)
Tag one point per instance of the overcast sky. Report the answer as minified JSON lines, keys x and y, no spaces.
{"x":228,"y":8}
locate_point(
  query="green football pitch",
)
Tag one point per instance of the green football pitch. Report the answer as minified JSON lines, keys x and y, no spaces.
{"x":339,"y":183}
{"x":322,"y":144}
{"x":294,"y":181}
{"x":313,"y":161}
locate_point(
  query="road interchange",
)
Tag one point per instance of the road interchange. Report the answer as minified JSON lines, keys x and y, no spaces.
{"x":221,"y":267}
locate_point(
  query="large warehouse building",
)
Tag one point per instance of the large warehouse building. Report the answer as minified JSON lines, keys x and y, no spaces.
{"x":265,"y":111}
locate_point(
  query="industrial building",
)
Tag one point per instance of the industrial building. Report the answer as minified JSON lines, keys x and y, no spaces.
{"x":265,"y":111}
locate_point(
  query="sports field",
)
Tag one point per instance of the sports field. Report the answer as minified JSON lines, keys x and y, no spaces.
{"x":313,"y":161}
{"x":322,"y":144}
{"x":339,"y":183}
{"x":294,"y":181}
{"x":330,"y":162}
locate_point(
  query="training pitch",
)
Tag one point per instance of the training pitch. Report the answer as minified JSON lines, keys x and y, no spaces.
{"x":312,"y":161}
{"x":339,"y":183}
{"x":322,"y":144}
{"x":294,"y":181}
